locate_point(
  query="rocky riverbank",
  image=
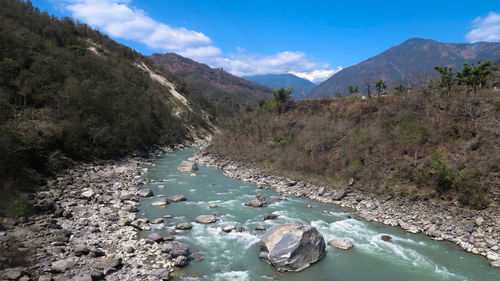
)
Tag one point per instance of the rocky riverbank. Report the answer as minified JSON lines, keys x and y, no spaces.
{"x":475,"y":231}
{"x":86,"y":228}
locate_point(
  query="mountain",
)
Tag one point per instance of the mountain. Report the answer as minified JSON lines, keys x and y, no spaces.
{"x":69,"y":93}
{"x":227,"y":91}
{"x":411,"y":63}
{"x":275,"y":81}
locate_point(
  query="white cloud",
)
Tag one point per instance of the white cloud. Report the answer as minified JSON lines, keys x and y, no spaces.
{"x":317,"y":76}
{"x":202,"y":54}
{"x":243,"y":64}
{"x":118,"y":20}
{"x":486,"y":29}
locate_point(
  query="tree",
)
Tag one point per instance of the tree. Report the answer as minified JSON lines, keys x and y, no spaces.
{"x":474,"y":76}
{"x":400,"y":90}
{"x":353,"y":90}
{"x":281,"y":95}
{"x":379,"y":86}
{"x":368,"y":91}
{"x":447,"y":78}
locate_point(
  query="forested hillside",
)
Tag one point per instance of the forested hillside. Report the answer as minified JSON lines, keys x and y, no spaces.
{"x":410,"y":64}
{"x":68,"y":92}
{"x":228,"y":93}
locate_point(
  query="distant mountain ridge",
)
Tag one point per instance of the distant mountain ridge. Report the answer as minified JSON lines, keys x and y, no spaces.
{"x":214,"y":83}
{"x":275,"y":81}
{"x":410,"y":63}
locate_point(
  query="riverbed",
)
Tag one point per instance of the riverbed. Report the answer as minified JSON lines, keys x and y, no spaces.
{"x":234,"y":256}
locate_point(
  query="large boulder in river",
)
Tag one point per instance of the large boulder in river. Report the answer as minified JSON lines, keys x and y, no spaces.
{"x":177,"y":198}
{"x":187,"y":166}
{"x":291,"y":247}
{"x":343,"y":244}
{"x":205,"y":219}
{"x":259,"y":201}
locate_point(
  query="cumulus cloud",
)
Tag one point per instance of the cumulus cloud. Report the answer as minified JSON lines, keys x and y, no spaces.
{"x":317,"y":76}
{"x":117,"y":19}
{"x":120,"y":19}
{"x":486,"y":29}
{"x":244,"y":64}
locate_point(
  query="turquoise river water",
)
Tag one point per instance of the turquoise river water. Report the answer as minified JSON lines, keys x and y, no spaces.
{"x":234,"y":256}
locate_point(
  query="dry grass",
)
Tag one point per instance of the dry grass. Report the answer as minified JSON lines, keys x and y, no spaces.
{"x":418,"y":145}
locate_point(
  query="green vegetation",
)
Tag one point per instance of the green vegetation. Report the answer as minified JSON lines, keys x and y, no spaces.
{"x":281,"y":95}
{"x":68,"y":92}
{"x":472,"y":76}
{"x":353,"y":90}
{"x":380,"y":86}
{"x":447,"y":78}
{"x":421,"y":144}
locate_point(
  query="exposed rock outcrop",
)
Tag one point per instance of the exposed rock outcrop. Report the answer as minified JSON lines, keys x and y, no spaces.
{"x":291,"y":247}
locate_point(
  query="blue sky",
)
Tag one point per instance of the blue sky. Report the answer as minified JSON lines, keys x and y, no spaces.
{"x":313,"y":39}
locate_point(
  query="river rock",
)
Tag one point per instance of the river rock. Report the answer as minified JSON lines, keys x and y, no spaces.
{"x":350,"y":182}
{"x":386,"y":238}
{"x":146,"y":192}
{"x":258,"y":202}
{"x":260,"y":227}
{"x":88,"y":194}
{"x":229,"y":228}
{"x":61,"y":266}
{"x":339,"y":194}
{"x":184,"y":226}
{"x":187,"y":166}
{"x":12,"y":273}
{"x":162,"y":274}
{"x":161,"y":202}
{"x":45,"y":277}
{"x":82,"y":251}
{"x":479,"y":221}
{"x":156,"y":237}
{"x":321,"y":191}
{"x":180,"y":261}
{"x":343,"y":244}
{"x":110,"y":264}
{"x":177,"y":198}
{"x":175,"y":249}
{"x":82,"y":277}
{"x":270,"y":217}
{"x":495,"y":263}
{"x":291,"y":247}
{"x":205,"y":219}
{"x":212,"y":206}
{"x":157,"y":221}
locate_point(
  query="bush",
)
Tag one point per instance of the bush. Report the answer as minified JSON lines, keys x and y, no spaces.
{"x":444,"y":174}
{"x":15,"y":208}
{"x":470,"y":191}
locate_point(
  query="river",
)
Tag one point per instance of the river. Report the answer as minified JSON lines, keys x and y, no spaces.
{"x":234,"y":256}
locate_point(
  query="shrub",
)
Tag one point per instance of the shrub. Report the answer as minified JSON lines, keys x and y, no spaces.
{"x":15,"y":208}
{"x":470,"y":191}
{"x":444,"y":174}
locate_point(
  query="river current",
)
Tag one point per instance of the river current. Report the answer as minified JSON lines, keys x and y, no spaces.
{"x":217,"y":255}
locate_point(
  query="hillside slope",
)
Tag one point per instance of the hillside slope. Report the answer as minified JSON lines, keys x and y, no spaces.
{"x":68,"y":92}
{"x":227,"y":91}
{"x":286,"y":80}
{"x":417,"y":146}
{"x":411,"y":63}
